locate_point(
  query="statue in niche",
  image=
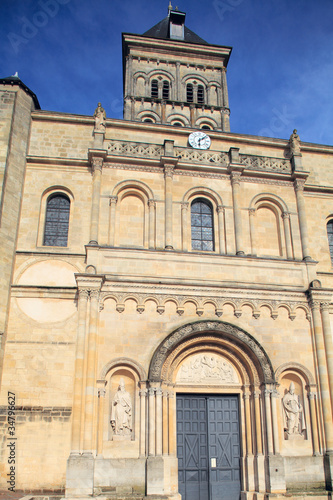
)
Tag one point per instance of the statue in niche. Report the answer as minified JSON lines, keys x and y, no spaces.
{"x":293,"y":412}
{"x":121,"y":411}
{"x":100,"y":117}
{"x":295,"y":143}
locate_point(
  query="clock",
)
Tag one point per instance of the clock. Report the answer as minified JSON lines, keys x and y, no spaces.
{"x":199,"y":140}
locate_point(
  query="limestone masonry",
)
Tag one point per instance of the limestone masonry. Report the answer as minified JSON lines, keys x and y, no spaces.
{"x":166,"y":291}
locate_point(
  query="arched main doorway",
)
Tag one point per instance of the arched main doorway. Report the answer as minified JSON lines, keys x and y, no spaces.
{"x":219,"y":416}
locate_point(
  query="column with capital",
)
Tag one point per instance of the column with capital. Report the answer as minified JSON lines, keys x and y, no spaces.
{"x":323,"y":373}
{"x":249,"y":453}
{"x":314,"y":423}
{"x":328,"y":341}
{"x":235,"y":184}
{"x":276,"y":441}
{"x":169,"y":163}
{"x":287,"y":234}
{"x":159,"y":422}
{"x":96,"y":158}
{"x":90,"y":386}
{"x":185,"y":238}
{"x":220,"y":218}
{"x":252,"y":213}
{"x":79,"y":370}
{"x":165,"y":404}
{"x":151,"y":421}
{"x":101,"y":400}
{"x":143,"y":406}
{"x":152,"y":224}
{"x":299,"y":190}
{"x":112,"y":225}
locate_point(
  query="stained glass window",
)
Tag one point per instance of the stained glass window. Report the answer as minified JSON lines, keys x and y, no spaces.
{"x":202,"y":227}
{"x":57,"y":221}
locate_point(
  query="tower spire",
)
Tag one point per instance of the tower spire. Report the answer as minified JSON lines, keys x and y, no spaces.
{"x":169,"y":8}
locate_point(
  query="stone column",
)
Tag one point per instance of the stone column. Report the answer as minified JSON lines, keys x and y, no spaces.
{"x":96,"y":160}
{"x":252,"y":213}
{"x":172,"y":424}
{"x":143,"y":401}
{"x":185,"y":241}
{"x":90,"y":388}
{"x":235,"y":183}
{"x":314,"y":424}
{"x":178,"y":96}
{"x":258,"y":422}
{"x":220,"y":216}
{"x":268,"y":421}
{"x":323,"y":375}
{"x":248,"y":423}
{"x":152,"y":209}
{"x":112,"y":226}
{"x":168,"y":162}
{"x":101,"y":400}
{"x":328,"y":341}
{"x":151,"y":421}
{"x":79,"y":370}
{"x":286,"y":227}
{"x":276,"y":441}
{"x":159,"y":421}
{"x":165,"y":423}
{"x":224,"y":87}
{"x":192,"y":114}
{"x":299,"y":190}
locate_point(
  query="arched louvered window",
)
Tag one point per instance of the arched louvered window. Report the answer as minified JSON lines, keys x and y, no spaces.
{"x":202,"y":226}
{"x":166,"y":90}
{"x":57,"y":220}
{"x":201,"y":96}
{"x":154,"y":89}
{"x":330,"y":237}
{"x":189,"y":92}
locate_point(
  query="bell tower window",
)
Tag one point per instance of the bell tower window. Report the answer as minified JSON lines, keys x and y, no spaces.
{"x":154,"y":89}
{"x":201,"y":96}
{"x":166,"y":88}
{"x":189,"y":92}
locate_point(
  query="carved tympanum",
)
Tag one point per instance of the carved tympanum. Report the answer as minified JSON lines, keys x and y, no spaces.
{"x":206,"y":368}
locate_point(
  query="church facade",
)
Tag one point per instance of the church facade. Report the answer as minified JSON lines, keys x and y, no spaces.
{"x":166,"y":291}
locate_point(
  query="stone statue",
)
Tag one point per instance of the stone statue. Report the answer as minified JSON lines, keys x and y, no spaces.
{"x":294,"y":143}
{"x":293,"y":411}
{"x":100,"y":117}
{"x":121,"y":412}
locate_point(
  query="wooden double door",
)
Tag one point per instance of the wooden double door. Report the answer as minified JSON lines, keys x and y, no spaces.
{"x":208,"y":447}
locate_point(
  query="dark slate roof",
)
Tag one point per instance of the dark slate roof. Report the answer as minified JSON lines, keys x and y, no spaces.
{"x":161,"y":30}
{"x":15,"y":80}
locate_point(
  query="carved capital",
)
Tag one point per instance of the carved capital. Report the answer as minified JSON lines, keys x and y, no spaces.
{"x":185,"y":205}
{"x":312,"y":395}
{"x":97,"y":163}
{"x":101,"y":393}
{"x":252,"y":211}
{"x":299,"y":185}
{"x":151,"y":392}
{"x":94,"y":294}
{"x":168,"y":171}
{"x":235,"y":178}
{"x":220,"y":209}
{"x":324,"y":306}
{"x":285,"y":215}
{"x":159,"y":392}
{"x":113,"y":200}
{"x":83,"y":294}
{"x":151,"y":203}
{"x":143,"y":393}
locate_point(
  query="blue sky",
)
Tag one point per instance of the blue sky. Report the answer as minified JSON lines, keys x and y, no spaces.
{"x":280,"y":74}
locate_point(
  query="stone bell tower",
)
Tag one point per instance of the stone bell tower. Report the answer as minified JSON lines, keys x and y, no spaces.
{"x":174,"y":77}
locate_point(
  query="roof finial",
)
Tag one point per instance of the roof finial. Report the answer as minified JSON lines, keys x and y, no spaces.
{"x":16,"y":74}
{"x":169,"y":8}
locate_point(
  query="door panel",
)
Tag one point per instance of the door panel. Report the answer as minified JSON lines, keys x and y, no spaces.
{"x":208,"y":447}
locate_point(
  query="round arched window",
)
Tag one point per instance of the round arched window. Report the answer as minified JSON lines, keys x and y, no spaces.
{"x":202,"y":225}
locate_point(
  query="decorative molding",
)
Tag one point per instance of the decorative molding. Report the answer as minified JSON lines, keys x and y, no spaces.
{"x":123,"y":362}
{"x":265,"y":163}
{"x":134,"y":149}
{"x":221,"y":330}
{"x":203,"y":157}
{"x":298,"y":367}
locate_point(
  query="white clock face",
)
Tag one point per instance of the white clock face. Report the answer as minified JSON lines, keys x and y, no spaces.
{"x":199,"y":140}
